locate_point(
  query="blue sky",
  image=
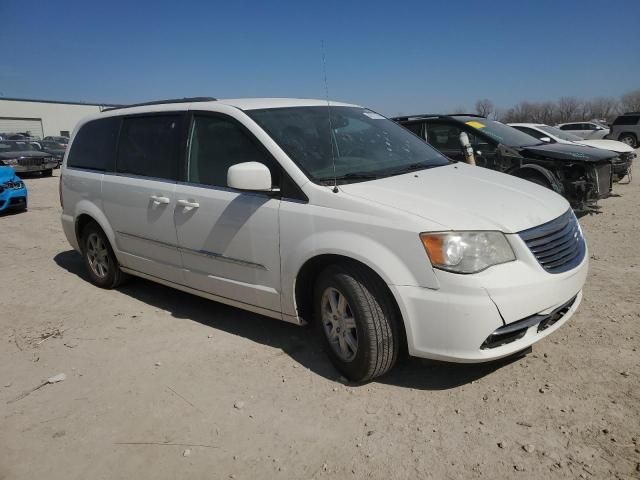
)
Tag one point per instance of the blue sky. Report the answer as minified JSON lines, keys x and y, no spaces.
{"x":395,"y":57}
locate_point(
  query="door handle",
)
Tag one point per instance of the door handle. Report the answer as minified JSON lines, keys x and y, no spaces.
{"x":157,"y":199}
{"x":188,"y":204}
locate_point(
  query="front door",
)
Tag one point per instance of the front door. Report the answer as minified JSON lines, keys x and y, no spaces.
{"x":229,"y":239}
{"x":139,"y":199}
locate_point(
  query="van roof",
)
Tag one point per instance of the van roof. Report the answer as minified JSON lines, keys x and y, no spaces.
{"x":241,"y":103}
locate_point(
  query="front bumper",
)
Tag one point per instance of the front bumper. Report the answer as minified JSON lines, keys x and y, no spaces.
{"x":455,"y":322}
{"x":28,"y":168}
{"x":13,"y":199}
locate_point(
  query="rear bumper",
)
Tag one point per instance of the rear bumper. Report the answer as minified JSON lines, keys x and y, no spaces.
{"x":69,"y":228}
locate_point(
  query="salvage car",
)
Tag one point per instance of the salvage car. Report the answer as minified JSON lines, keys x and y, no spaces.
{"x":583,"y":175}
{"x":13,"y":192}
{"x":585,"y":130}
{"x":545,"y":133}
{"x":24,"y":157}
{"x":304,"y":210}
{"x":626,"y":128}
{"x":56,"y":146}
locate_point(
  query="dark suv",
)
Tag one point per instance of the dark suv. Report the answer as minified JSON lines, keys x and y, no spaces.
{"x":626,"y":128}
{"x":581,"y":174}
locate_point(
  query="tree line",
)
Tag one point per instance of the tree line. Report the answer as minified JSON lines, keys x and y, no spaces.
{"x":565,"y":109}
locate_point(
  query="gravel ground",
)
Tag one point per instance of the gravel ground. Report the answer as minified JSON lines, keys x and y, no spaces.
{"x":160,"y":384}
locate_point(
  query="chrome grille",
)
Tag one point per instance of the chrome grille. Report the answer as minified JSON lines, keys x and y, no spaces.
{"x":30,"y":162}
{"x":558,"y":245}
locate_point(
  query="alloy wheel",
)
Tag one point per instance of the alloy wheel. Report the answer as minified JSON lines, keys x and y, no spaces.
{"x":97,"y":255}
{"x":339,"y":324}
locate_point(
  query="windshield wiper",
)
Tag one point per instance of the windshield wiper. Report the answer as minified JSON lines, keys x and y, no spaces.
{"x":350,"y":176}
{"x":412,"y":167}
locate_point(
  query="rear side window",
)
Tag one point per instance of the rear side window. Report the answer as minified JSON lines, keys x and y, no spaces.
{"x":627,"y":120}
{"x":216,"y":144}
{"x":150,"y":146}
{"x":94,"y":145}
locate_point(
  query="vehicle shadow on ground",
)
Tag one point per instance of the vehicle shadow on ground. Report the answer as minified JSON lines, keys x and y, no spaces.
{"x":300,"y":343}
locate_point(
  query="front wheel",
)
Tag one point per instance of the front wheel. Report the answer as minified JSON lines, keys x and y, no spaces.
{"x":357,"y":321}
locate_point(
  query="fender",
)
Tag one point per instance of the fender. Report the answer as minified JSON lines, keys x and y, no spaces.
{"x":86,"y":207}
{"x":556,"y":186}
{"x":393,"y":269}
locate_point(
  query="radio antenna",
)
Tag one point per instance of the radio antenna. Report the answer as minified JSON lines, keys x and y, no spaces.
{"x":326,"y":91}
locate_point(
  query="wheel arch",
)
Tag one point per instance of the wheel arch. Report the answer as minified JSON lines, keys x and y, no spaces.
{"x":87,"y":212}
{"x":545,"y":173}
{"x":309,"y":272}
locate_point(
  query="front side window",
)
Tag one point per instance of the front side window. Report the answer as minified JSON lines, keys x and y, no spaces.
{"x":445,"y":137}
{"x":627,"y":120}
{"x":217,"y":143}
{"x":150,"y":146}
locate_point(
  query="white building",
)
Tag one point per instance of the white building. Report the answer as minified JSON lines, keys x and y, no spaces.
{"x":42,"y":118}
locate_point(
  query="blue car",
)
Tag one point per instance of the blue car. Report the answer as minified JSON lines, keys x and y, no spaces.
{"x":13,"y":191}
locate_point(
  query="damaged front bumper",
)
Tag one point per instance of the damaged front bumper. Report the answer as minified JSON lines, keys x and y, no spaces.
{"x":458,"y":321}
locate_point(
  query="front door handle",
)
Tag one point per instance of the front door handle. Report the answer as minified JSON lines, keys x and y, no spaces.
{"x":157,"y":199}
{"x":188,"y":204}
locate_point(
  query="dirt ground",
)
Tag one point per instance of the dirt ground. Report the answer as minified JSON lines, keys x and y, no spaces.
{"x":160,"y":384}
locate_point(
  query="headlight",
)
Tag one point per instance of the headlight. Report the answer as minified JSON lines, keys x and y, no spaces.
{"x":10,"y":161}
{"x":467,"y":252}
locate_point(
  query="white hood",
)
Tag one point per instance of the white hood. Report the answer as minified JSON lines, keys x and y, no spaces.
{"x":462,"y":197}
{"x":613,"y":145}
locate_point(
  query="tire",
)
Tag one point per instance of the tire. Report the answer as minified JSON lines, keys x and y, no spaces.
{"x":630,"y":139}
{"x":47,"y":173}
{"x":537,"y":179}
{"x":367,"y":318}
{"x":99,"y":260}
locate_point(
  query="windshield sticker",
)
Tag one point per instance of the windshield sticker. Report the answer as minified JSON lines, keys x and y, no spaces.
{"x":373,"y":115}
{"x":475,"y":124}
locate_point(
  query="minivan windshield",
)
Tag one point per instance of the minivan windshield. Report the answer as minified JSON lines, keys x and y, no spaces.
{"x":561,"y":134}
{"x":506,"y":135}
{"x":364,"y":144}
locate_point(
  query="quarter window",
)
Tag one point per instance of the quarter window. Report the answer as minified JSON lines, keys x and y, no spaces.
{"x":217,"y":143}
{"x":94,"y":145}
{"x":150,"y":146}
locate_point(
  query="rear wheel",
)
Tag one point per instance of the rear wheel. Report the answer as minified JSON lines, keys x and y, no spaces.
{"x":357,"y":321}
{"x":629,"y":139}
{"x":99,"y":259}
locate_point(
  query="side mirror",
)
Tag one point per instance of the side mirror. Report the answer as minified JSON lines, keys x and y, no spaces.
{"x":545,"y":139}
{"x":252,"y":176}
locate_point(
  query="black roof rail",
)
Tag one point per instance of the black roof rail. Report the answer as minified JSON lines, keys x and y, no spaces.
{"x":164,"y":102}
{"x":421,"y":116}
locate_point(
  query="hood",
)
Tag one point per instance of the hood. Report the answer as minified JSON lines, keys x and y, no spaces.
{"x":24,"y":154}
{"x":462,"y":197}
{"x":7,"y":174}
{"x":561,"y":151}
{"x":613,"y":145}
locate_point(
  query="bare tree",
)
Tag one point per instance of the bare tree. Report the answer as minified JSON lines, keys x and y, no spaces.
{"x":568,"y":108}
{"x":459,"y":110}
{"x":604,"y":108}
{"x":631,"y":101}
{"x":485,"y":107}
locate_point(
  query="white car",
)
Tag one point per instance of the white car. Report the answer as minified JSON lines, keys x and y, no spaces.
{"x":585,"y":130}
{"x":548,"y":134}
{"x":302,"y":210}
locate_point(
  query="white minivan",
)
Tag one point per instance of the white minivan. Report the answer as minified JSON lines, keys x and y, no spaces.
{"x":306,"y":210}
